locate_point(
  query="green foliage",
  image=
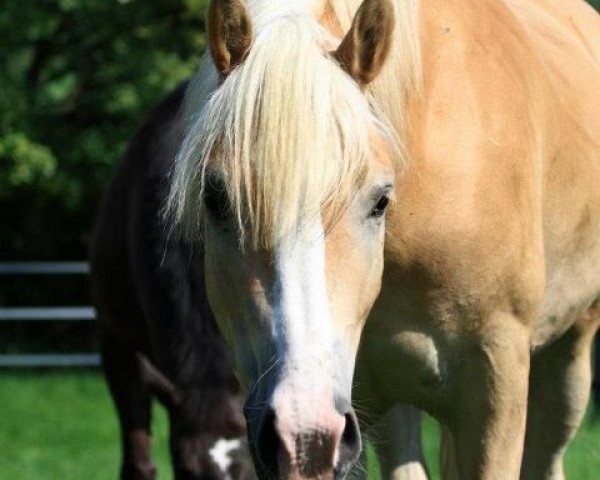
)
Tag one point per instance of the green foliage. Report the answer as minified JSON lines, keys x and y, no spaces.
{"x":27,"y":163}
{"x":77,"y":77}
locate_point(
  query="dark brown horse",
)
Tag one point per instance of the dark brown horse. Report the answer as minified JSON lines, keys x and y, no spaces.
{"x":159,"y":338}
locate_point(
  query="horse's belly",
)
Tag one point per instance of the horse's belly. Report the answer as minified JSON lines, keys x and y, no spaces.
{"x":570,"y":290}
{"x":571,"y":242}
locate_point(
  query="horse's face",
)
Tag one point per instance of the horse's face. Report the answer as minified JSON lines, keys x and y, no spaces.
{"x":293,"y":310}
{"x":294,"y":316}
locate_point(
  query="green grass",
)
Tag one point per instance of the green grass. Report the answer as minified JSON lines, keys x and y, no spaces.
{"x":61,"y":426}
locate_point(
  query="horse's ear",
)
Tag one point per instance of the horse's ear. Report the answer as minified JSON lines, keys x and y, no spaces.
{"x":365,"y":47}
{"x":229,"y":33}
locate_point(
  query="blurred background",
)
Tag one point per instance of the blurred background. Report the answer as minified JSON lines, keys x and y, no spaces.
{"x":76,"y":78}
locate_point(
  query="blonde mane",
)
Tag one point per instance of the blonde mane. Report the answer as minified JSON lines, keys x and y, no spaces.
{"x":289,"y":131}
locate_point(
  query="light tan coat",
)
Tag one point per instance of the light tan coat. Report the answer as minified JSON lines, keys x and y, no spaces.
{"x":493,"y":249}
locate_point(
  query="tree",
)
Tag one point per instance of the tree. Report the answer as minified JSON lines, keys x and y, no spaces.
{"x":77,"y":78}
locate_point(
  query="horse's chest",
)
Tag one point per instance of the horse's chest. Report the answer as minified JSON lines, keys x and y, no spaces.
{"x":405,"y":366}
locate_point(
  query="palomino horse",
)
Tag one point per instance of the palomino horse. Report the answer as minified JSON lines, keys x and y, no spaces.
{"x":159,"y":338}
{"x":420,"y":176}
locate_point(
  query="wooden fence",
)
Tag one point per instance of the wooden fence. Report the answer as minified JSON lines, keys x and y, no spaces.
{"x":83,"y":313}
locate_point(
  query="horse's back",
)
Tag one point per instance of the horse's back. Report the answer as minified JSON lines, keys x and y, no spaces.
{"x":565,"y":35}
{"x":574,"y":23}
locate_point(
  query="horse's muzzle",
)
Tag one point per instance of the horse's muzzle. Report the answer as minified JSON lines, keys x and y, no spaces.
{"x":324,"y":451}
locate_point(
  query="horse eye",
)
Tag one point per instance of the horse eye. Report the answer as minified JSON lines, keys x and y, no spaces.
{"x":380,"y":207}
{"x":216,"y":200}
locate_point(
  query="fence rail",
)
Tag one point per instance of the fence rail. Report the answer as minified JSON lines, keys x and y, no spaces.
{"x":50,"y":360}
{"x":47,"y":314}
{"x":44,"y":268}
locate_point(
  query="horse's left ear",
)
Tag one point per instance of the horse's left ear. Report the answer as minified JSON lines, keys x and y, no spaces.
{"x":365,"y":47}
{"x":229,"y":33}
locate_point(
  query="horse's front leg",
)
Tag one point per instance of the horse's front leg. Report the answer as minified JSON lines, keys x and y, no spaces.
{"x":559,"y":388}
{"x":487,"y":402}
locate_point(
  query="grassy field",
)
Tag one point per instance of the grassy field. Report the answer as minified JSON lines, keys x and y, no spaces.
{"x":61,"y":426}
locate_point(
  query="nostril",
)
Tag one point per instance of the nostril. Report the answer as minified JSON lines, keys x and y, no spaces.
{"x":350,"y":435}
{"x":268,"y":444}
{"x":350,"y":443}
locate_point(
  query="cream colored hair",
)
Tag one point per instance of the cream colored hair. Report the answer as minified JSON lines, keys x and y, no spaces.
{"x":289,"y":131}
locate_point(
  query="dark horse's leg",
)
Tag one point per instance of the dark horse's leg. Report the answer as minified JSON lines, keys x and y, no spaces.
{"x":133,"y":402}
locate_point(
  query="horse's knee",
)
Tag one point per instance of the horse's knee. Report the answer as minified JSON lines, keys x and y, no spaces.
{"x":491,"y":371}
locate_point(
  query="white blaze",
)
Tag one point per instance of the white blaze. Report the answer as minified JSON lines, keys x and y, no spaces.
{"x":220,"y":453}
{"x":302,"y":321}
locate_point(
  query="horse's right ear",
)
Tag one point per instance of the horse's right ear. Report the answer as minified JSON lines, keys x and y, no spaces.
{"x":229,"y":33}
